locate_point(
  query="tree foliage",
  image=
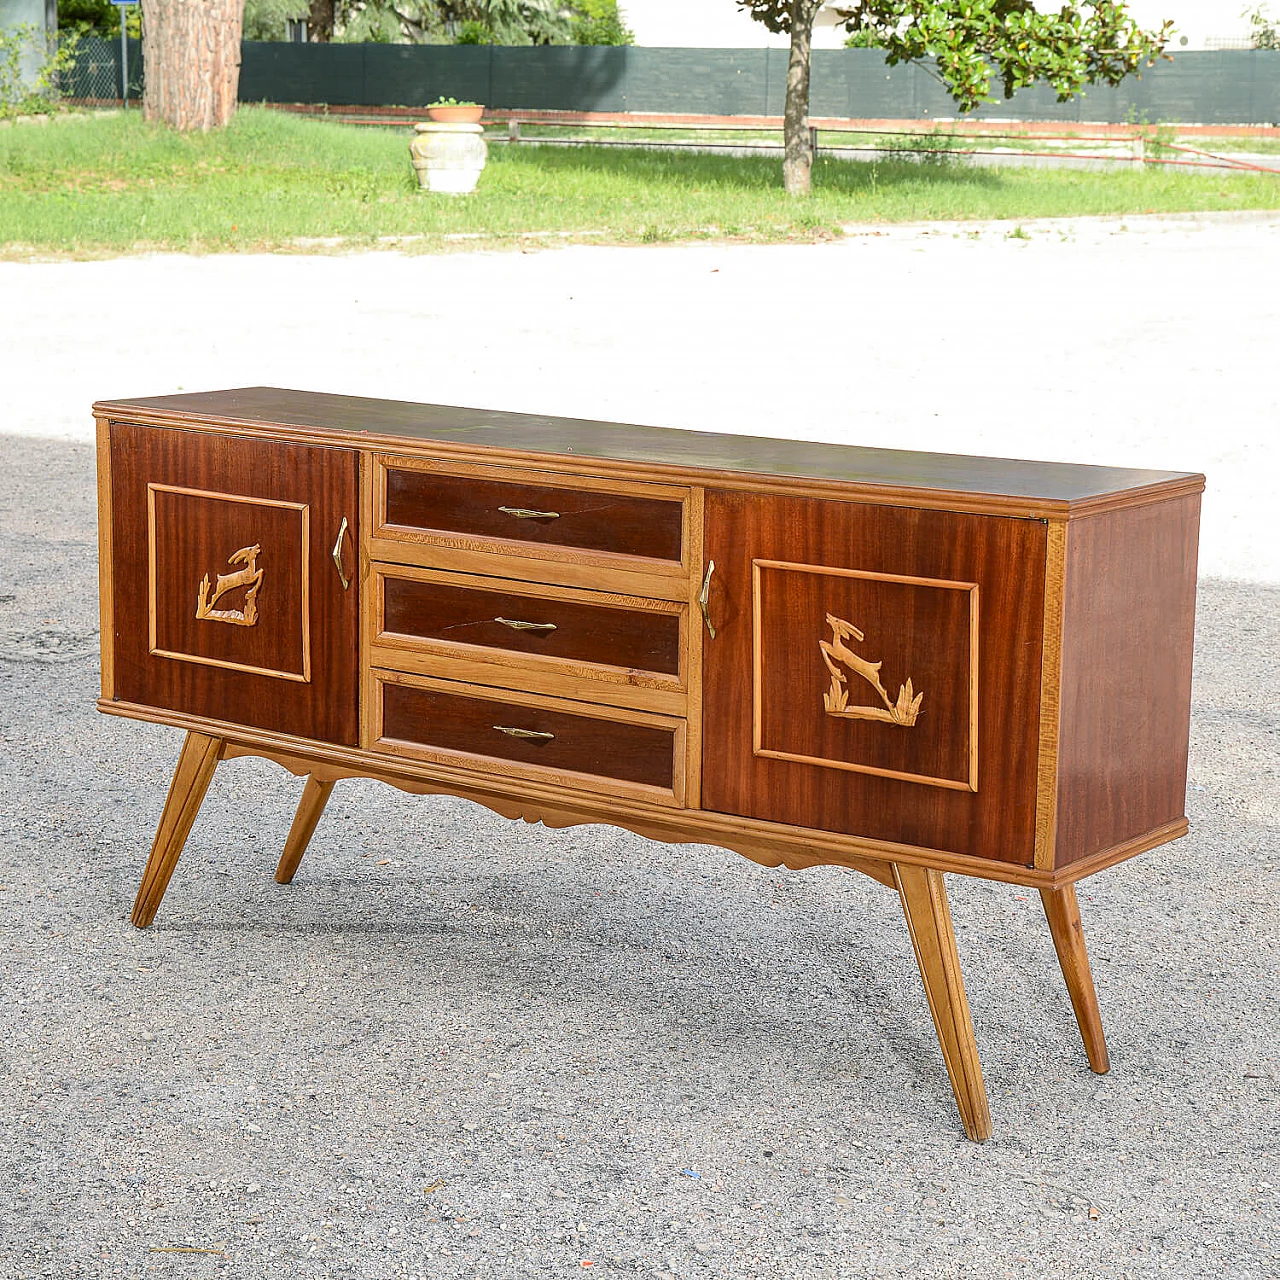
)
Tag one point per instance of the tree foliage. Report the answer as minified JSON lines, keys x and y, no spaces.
{"x":1265,"y":32}
{"x":968,"y":41}
{"x":964,"y":43}
{"x":599,"y":22}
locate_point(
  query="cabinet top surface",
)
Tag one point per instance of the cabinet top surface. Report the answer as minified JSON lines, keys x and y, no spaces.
{"x":321,"y":413}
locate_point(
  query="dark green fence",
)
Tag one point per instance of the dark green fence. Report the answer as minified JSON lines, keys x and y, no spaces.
{"x":1228,"y":87}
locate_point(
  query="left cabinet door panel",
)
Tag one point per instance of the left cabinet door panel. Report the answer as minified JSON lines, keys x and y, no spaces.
{"x":227,"y":601}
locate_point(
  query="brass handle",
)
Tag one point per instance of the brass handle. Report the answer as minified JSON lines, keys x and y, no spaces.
{"x":516,"y":625}
{"x":532,"y":735}
{"x":704,"y":595}
{"x":337,"y":554}
{"x":523,"y":513}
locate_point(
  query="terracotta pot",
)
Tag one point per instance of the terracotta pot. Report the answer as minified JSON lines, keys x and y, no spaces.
{"x":455,"y":115}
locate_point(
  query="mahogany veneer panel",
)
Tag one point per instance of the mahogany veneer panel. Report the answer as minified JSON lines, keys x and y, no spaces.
{"x":1004,"y":557}
{"x":581,"y":743}
{"x":590,"y":519}
{"x":182,"y":504}
{"x":1127,"y":637}
{"x":642,"y":640}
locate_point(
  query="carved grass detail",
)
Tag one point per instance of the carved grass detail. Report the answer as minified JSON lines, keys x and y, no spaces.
{"x":836,"y":700}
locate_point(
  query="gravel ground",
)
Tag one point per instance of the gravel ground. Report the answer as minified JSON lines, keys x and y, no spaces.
{"x":458,"y":1046}
{"x":461,"y":1046}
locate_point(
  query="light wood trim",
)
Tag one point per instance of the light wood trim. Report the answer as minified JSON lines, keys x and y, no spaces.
{"x":1079,"y":870}
{"x":694,"y":636}
{"x":640,"y":688}
{"x":1062,"y":909}
{"x":519,"y":807}
{"x":823,"y":762}
{"x":550,"y":776}
{"x":967,"y":501}
{"x":106,"y":564}
{"x":796,"y":845}
{"x":492,"y":561}
{"x":1050,"y":694}
{"x":576,"y":681}
{"x":578,"y":557}
{"x":368,"y":621}
{"x":969,"y":783}
{"x":305,"y":583}
{"x":549,"y":477}
{"x":196,"y":763}
{"x":315,"y":795}
{"x":924,"y":902}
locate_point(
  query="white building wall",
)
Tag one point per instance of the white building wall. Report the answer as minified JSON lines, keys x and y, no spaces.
{"x":720,"y":24}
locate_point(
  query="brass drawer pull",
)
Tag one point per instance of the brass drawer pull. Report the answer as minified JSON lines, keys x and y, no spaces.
{"x":337,"y":554}
{"x":705,"y":595}
{"x":523,"y":513}
{"x":516,"y":625}
{"x":532,"y":735}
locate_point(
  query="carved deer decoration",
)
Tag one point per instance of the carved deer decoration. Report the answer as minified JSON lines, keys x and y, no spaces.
{"x":250,"y":576}
{"x":836,"y":700}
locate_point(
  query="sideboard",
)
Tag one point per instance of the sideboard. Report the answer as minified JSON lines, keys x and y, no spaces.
{"x":905,"y":664}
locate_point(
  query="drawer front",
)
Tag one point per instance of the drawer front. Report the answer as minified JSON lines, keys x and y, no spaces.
{"x":511,"y":733}
{"x":439,"y":515}
{"x":443,"y":611}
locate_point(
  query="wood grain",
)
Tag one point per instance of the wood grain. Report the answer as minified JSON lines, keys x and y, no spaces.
{"x":1050,"y":694}
{"x":753,"y":464}
{"x":1127,"y":636}
{"x":1004,"y":557}
{"x":637,"y":638}
{"x":924,"y":630}
{"x":315,"y":795}
{"x":106,"y":559}
{"x":196,"y":764}
{"x":586,"y":519}
{"x":1062,"y":909}
{"x":924,"y":901}
{"x":263,"y":487}
{"x":598,"y":746}
{"x":643,"y":810}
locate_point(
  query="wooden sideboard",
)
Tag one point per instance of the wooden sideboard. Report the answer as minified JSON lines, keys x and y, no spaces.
{"x":902,"y":663}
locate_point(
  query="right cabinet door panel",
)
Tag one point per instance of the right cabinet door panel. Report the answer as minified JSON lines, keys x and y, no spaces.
{"x":875,"y":671}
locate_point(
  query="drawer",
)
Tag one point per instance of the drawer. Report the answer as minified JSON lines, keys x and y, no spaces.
{"x":547,"y":639}
{"x":446,"y":515}
{"x":523,"y":735}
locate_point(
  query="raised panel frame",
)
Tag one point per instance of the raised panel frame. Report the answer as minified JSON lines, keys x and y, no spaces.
{"x":970,"y":783}
{"x":304,"y":578}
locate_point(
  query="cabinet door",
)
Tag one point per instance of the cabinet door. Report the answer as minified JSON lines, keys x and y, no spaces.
{"x":875,"y":671}
{"x":228,"y":603}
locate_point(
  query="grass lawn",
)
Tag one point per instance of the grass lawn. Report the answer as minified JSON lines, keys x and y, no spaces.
{"x":96,"y":186}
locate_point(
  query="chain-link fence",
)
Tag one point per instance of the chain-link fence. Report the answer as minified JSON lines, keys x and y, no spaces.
{"x":96,"y":74}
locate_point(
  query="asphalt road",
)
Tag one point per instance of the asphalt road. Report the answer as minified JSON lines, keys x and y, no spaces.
{"x":457,"y":1046}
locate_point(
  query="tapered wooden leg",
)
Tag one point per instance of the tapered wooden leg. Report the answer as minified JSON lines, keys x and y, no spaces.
{"x":199,"y":758}
{"x":924,"y":900}
{"x":1063,"y":910}
{"x":315,"y":795}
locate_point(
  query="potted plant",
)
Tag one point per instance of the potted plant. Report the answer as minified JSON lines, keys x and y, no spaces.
{"x":448,"y":150}
{"x":451,"y":111}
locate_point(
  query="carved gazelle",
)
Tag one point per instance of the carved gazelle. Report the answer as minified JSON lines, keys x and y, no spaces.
{"x":836,"y":699}
{"x":250,"y":576}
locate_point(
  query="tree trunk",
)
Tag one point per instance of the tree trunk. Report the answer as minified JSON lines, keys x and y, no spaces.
{"x":320,"y":21}
{"x":191,"y":54}
{"x":798,"y":154}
